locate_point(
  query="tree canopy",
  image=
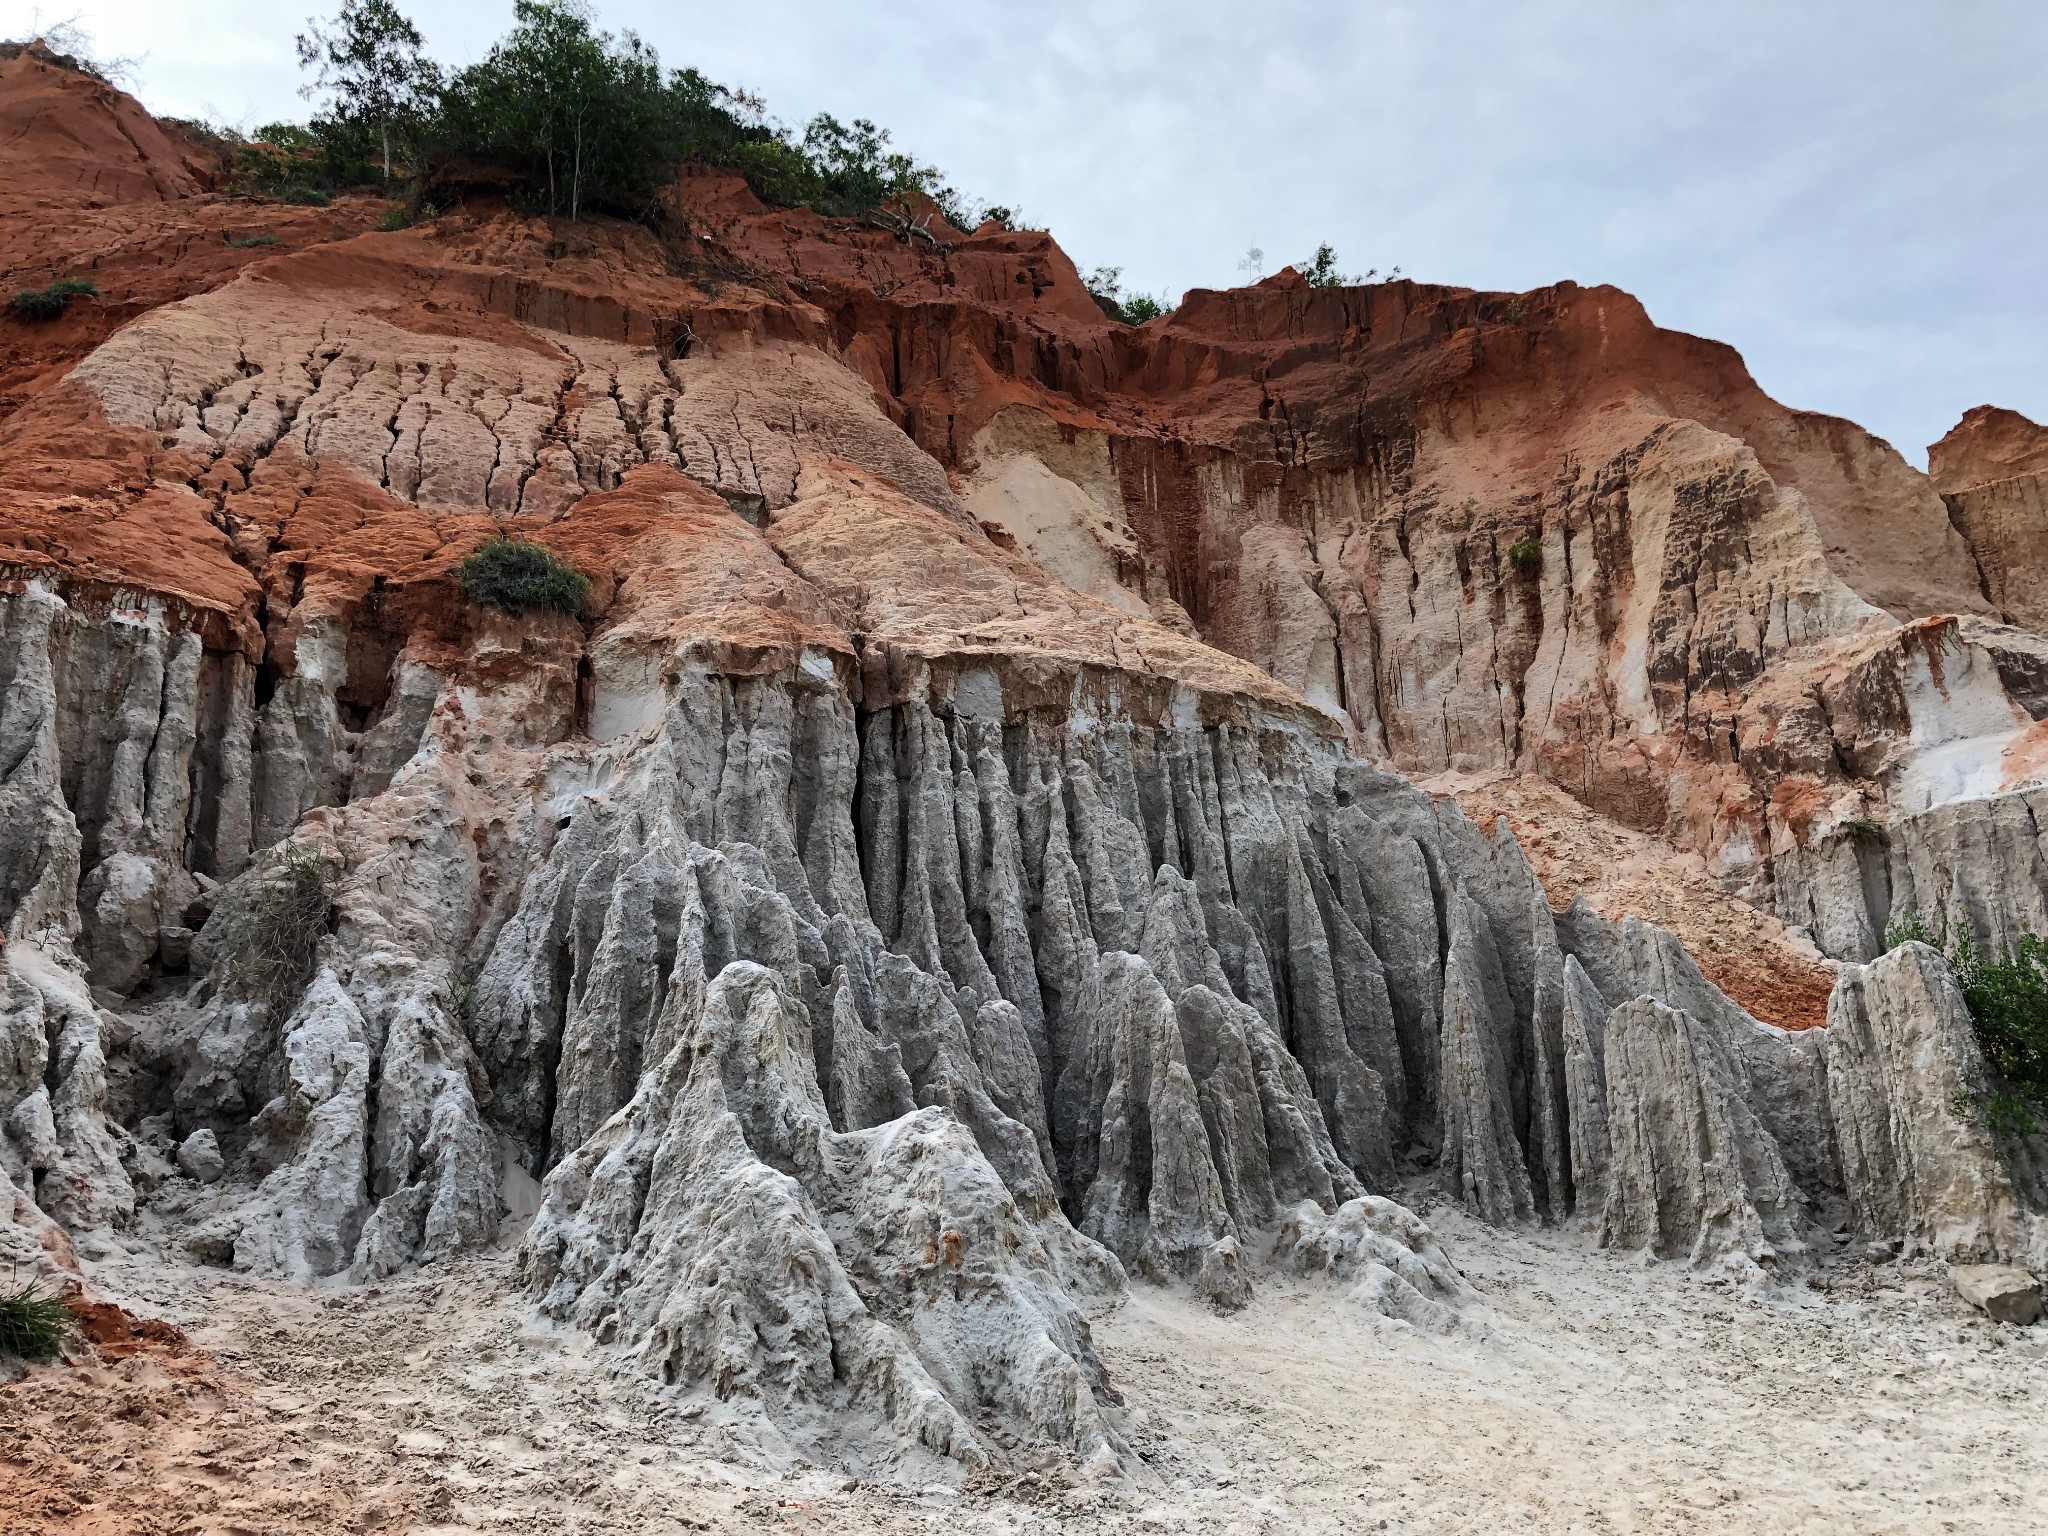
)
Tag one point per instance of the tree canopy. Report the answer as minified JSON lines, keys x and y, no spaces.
{"x":368,"y":59}
{"x":589,"y":120}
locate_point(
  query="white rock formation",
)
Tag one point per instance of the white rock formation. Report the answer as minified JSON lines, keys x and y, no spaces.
{"x":1691,"y":1170}
{"x":1904,"y":1074}
{"x":1389,"y":1258}
{"x":878,"y":1289}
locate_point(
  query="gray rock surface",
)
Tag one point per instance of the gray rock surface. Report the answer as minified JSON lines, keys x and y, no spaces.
{"x":1692,"y":1172}
{"x":2000,"y":1291}
{"x":731,"y":1240}
{"x":779,"y":979}
{"x":1904,"y":1071}
{"x":199,"y":1156}
{"x":1389,"y":1259}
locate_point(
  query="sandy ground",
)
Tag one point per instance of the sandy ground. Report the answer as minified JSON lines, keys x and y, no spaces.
{"x":1586,"y":1393}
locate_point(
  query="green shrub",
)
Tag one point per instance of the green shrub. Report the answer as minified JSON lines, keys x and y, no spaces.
{"x":252,"y":242}
{"x":279,"y":934}
{"x":48,"y":303}
{"x":2007,"y":996}
{"x":1909,"y":927}
{"x":516,"y":575}
{"x":1526,"y":554}
{"x":304,"y":197}
{"x":395,"y":217}
{"x":32,"y":1326}
{"x":2008,"y":1000}
{"x":1106,"y":284}
{"x":1321,"y":269}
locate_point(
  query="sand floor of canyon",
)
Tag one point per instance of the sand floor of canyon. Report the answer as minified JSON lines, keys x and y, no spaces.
{"x":1587,"y":1392}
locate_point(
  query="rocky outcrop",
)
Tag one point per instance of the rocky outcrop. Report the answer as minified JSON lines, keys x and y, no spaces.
{"x":1388,"y":1258}
{"x":1905,"y":1078}
{"x":1992,"y":472}
{"x":1690,"y":1171}
{"x":79,"y":139}
{"x":1972,"y":867}
{"x":732,"y":1240}
{"x":56,"y":1143}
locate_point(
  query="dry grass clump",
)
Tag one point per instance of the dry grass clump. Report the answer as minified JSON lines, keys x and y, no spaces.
{"x":279,"y":932}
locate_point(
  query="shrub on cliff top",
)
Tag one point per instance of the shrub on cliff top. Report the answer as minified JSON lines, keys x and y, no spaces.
{"x":1106,"y":285}
{"x":516,"y":575}
{"x":48,"y":303}
{"x":581,"y":120}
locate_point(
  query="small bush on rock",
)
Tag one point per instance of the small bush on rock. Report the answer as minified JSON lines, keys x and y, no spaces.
{"x":1526,"y":554}
{"x":1106,"y":287}
{"x":48,"y":303}
{"x":516,"y":575}
{"x":1908,"y":927}
{"x":2007,"y":995}
{"x":2008,"y":1000}
{"x":32,"y":1326}
{"x":280,"y":932}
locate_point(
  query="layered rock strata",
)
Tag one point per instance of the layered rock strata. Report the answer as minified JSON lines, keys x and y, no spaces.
{"x":1990,"y":470}
{"x":778,"y":962}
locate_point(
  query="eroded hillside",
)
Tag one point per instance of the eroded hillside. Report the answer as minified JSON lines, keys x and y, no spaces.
{"x":962,"y":862}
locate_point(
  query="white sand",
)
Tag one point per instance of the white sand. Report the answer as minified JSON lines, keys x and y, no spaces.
{"x":1591,"y":1393}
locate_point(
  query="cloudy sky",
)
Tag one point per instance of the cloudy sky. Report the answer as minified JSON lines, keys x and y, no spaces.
{"x":1850,"y":191}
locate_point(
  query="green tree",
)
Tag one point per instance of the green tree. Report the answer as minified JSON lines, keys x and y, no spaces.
{"x":368,"y":58}
{"x":860,"y":173}
{"x":1321,"y":269}
{"x":587,"y":113}
{"x":1106,"y":284}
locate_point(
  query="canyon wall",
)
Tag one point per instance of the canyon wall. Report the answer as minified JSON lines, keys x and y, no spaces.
{"x":957,"y":866}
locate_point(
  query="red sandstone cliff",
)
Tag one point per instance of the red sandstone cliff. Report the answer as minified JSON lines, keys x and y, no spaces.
{"x":1482,"y":534}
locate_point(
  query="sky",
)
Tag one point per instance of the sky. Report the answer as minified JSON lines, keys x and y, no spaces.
{"x":1848,"y":191}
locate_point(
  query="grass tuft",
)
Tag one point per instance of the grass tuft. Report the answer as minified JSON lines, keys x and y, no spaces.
{"x":515,"y":575}
{"x":32,"y":1326}
{"x":48,"y":303}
